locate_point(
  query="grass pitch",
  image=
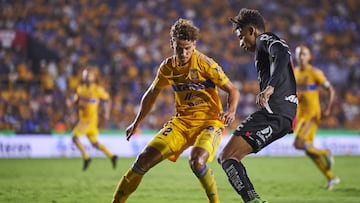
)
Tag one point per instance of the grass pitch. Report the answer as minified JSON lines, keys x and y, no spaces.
{"x":277,"y":179}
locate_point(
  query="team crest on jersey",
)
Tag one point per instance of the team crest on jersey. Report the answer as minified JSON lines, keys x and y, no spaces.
{"x":193,"y":75}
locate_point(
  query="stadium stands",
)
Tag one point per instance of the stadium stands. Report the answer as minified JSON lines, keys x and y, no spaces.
{"x":127,"y":39}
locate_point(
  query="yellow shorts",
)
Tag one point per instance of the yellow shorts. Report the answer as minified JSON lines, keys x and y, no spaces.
{"x":306,"y":128}
{"x":90,"y":129}
{"x":179,"y":134}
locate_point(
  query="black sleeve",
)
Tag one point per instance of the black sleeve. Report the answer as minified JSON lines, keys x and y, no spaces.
{"x":279,"y":53}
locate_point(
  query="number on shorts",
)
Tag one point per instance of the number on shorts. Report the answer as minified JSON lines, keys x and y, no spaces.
{"x":167,"y":130}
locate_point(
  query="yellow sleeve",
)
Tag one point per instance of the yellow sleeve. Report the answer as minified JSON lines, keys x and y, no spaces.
{"x":161,"y":79}
{"x":320,"y":77}
{"x":103,"y":94}
{"x":217,"y":75}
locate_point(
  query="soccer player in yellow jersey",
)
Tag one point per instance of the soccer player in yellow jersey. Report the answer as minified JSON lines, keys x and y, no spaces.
{"x":87,"y":99}
{"x":199,"y":119}
{"x":309,"y":81}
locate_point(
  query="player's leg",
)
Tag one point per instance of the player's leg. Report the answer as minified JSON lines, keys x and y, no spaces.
{"x":204,"y":151}
{"x":230,"y":158}
{"x":158,"y":149}
{"x":305,"y":133}
{"x":132,"y":178}
{"x":92,"y":135}
{"x":79,"y":130}
{"x":256,"y":132}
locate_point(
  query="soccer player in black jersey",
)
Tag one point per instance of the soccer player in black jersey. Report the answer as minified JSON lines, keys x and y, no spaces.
{"x":277,"y":100}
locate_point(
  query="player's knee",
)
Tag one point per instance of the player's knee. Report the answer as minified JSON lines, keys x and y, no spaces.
{"x":96,"y":145}
{"x":299,"y":144}
{"x":198,"y":158}
{"x":75,"y":139}
{"x":233,"y":155}
{"x":196,"y":164}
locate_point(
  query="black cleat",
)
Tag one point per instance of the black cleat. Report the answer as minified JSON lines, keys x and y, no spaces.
{"x":86,"y":164}
{"x":113,"y":161}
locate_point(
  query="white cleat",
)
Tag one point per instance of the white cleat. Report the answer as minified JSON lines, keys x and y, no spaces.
{"x":331,"y":183}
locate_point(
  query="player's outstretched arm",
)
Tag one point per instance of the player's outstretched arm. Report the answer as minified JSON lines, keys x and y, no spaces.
{"x":147,"y":102}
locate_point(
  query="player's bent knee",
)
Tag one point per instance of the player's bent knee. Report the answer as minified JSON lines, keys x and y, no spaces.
{"x":298,"y":144}
{"x":96,"y":145}
{"x":198,"y":158}
{"x":196,"y":164}
{"x":75,"y":139}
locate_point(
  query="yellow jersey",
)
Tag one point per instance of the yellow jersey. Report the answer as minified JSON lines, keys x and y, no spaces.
{"x":89,"y":98}
{"x":195,"y":86}
{"x":308,"y":81}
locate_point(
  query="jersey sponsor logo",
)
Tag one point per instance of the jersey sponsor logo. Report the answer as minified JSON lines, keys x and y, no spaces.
{"x":311,"y":87}
{"x":88,"y":100}
{"x":292,"y":99}
{"x":193,"y":86}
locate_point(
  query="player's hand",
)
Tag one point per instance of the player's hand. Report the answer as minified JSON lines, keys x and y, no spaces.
{"x":107,"y":117}
{"x":227,"y":117}
{"x":130,"y":130}
{"x":326,"y":113}
{"x":263,"y":97}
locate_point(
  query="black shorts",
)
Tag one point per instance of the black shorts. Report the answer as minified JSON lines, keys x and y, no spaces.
{"x":262,"y":128}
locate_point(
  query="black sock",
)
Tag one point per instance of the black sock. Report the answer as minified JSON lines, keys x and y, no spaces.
{"x":240,"y":181}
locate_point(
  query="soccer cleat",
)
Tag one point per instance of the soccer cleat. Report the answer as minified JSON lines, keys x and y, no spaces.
{"x":257,"y":200}
{"x":331,"y":183}
{"x":329,"y":159}
{"x":113,"y":161}
{"x":86,"y":164}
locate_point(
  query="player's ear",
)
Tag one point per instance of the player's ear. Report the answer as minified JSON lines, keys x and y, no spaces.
{"x":251,"y":30}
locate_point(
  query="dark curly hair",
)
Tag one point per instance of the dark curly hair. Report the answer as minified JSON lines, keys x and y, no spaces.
{"x":184,"y":30}
{"x":248,"y":17}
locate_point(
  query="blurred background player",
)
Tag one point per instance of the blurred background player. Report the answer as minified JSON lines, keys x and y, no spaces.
{"x":277,"y":100}
{"x":309,"y":81}
{"x":87,"y":99}
{"x":199,"y":119}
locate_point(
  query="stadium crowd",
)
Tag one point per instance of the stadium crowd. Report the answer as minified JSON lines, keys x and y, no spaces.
{"x":127,"y":39}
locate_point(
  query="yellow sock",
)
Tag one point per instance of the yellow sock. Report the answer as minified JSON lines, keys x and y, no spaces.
{"x":207,"y":180}
{"x":105,"y":150}
{"x":320,"y":163}
{"x":80,"y":146}
{"x":127,"y":185}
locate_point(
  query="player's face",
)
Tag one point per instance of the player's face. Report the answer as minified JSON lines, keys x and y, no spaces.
{"x":183,"y":50}
{"x":302,"y":55}
{"x":89,"y":76}
{"x":247,"y":38}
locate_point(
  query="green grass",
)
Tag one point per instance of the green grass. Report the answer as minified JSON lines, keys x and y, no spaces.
{"x":277,"y":179}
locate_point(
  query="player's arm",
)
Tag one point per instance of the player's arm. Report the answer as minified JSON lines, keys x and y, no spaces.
{"x":330,"y":99}
{"x":146,"y":104}
{"x":279,"y":52}
{"x":72,"y":101}
{"x":107,"y":108}
{"x":232,"y":102}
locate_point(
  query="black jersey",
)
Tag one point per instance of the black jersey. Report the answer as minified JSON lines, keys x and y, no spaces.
{"x":275,"y":68}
